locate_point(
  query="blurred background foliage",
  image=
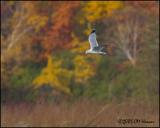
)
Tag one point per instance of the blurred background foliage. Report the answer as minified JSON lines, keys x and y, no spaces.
{"x":43,"y":47}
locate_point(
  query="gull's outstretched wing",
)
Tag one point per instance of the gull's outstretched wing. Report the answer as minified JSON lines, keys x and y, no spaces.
{"x":92,"y":40}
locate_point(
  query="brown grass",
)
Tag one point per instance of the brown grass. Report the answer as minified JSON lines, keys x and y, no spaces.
{"x":80,"y":113}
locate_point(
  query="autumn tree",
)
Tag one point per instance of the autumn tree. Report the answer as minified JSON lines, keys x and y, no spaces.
{"x":59,"y":35}
{"x":24,"y":20}
{"x":131,"y":25}
{"x":68,"y":68}
{"x":54,"y":75}
{"x":128,"y":34}
{"x":19,"y":20}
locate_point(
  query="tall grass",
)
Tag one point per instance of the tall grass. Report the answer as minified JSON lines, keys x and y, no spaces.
{"x":80,"y":113}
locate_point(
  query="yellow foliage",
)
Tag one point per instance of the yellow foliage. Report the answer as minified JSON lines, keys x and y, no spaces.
{"x":57,"y":76}
{"x":37,"y":21}
{"x":54,"y":75}
{"x":88,"y":30}
{"x":78,"y":46}
{"x":11,"y":3}
{"x":95,"y":10}
{"x":83,"y":69}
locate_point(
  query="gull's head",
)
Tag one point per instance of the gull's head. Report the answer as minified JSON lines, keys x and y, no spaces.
{"x":93,"y":30}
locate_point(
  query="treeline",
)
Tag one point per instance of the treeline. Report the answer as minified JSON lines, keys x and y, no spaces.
{"x":43,"y":47}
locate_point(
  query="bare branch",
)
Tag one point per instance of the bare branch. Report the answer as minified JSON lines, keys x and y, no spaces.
{"x":18,"y":37}
{"x":17,"y":33}
{"x":127,"y":36}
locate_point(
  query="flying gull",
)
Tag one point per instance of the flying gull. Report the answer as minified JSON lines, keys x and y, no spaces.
{"x":94,"y":47}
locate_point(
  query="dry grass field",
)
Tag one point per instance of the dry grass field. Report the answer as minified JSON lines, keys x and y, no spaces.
{"x":80,"y":113}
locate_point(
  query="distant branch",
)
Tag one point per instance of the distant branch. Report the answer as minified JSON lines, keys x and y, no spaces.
{"x":127,"y":37}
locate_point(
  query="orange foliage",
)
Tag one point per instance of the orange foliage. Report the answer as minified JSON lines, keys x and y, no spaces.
{"x":60,"y":34}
